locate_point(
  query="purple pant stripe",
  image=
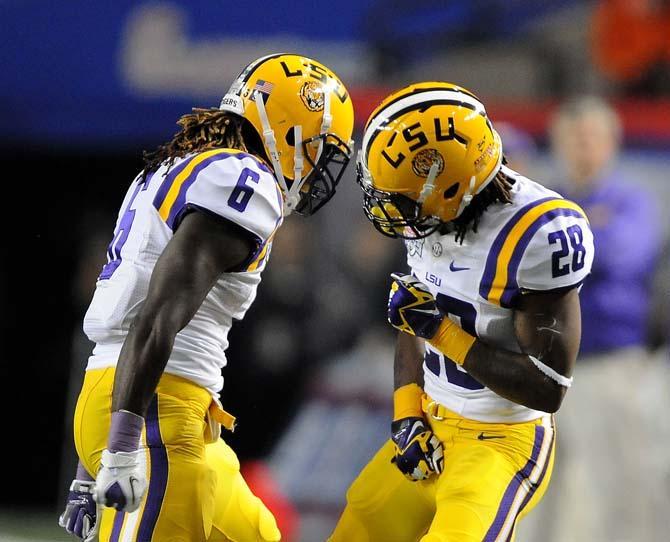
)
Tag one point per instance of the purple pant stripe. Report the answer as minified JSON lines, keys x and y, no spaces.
{"x":116,"y":529}
{"x":513,"y":487}
{"x":158,"y":477}
{"x":539,"y":481}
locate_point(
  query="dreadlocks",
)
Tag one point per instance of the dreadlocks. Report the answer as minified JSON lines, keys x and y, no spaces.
{"x":498,"y":191}
{"x":202,"y":130}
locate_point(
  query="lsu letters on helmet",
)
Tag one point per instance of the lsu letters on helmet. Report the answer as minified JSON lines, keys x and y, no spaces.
{"x":304,"y":117}
{"x":427,"y":150}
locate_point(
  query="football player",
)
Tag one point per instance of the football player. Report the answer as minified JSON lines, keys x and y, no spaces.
{"x":489,"y":324}
{"x":193,"y":235}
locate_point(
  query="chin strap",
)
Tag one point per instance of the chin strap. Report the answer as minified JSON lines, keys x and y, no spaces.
{"x":467,"y":197}
{"x":470,"y":192}
{"x":429,"y":183}
{"x":271,"y":144}
{"x":294,"y":191}
{"x":291,"y":195}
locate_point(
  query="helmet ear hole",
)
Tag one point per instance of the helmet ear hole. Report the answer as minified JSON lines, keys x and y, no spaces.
{"x":451,"y":191}
{"x":290,"y":136}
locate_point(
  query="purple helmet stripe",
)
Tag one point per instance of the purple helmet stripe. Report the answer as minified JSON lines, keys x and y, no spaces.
{"x":514,"y":486}
{"x":511,"y":290}
{"x":159,"y":473}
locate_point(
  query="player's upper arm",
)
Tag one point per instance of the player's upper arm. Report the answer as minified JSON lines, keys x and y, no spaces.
{"x":547,"y":326}
{"x":559,"y":253}
{"x":201,"y":250}
{"x":232,"y":185}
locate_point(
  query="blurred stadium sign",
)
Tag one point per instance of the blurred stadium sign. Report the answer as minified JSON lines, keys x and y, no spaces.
{"x":120,"y":72}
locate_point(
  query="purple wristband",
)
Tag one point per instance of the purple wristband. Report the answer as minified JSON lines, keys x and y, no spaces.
{"x":82,"y":474}
{"x":125,"y":431}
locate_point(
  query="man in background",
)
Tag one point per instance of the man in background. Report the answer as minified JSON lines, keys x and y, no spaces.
{"x":611,"y":442}
{"x":520,"y":148}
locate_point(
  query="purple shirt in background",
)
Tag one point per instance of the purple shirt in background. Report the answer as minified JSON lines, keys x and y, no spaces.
{"x":615,"y":298}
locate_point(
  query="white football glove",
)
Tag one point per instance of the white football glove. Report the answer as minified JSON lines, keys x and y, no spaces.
{"x":80,"y":515}
{"x":121,"y":481}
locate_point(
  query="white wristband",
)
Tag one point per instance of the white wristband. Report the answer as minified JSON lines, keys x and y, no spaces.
{"x":558,"y":378}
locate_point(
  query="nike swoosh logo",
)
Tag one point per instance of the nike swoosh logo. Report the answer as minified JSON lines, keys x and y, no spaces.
{"x":432,"y":312}
{"x":482,"y":436}
{"x":132,"y":481}
{"x":454,"y":268}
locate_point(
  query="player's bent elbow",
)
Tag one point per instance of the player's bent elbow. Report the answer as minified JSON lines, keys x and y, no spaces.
{"x":553,"y":397}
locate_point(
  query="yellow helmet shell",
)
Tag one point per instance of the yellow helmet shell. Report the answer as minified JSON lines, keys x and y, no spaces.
{"x":431,"y":125}
{"x":296,"y":91}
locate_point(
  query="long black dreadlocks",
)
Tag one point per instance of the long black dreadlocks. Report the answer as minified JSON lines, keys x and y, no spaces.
{"x":202,"y":130}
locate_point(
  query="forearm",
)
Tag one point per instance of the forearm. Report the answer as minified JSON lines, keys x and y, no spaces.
{"x":513,"y":376}
{"x":408,"y":361}
{"x":407,"y":376}
{"x":141,"y":363}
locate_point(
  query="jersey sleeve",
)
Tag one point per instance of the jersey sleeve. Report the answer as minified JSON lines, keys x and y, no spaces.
{"x":559,"y":255}
{"x":547,"y":246}
{"x":232,"y":185}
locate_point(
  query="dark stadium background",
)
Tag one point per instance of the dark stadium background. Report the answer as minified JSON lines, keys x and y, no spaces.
{"x":83,"y":93}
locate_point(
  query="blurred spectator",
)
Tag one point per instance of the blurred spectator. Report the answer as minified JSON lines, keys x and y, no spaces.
{"x":631,"y":44}
{"x":518,"y":146}
{"x":586,"y":135}
{"x":606,"y":488}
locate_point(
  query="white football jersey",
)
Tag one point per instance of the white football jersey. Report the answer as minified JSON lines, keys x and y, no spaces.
{"x":228,"y":183}
{"x":539,"y":242}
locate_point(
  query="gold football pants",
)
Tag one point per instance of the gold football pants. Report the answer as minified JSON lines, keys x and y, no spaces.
{"x":493,"y":475}
{"x":196,"y":492}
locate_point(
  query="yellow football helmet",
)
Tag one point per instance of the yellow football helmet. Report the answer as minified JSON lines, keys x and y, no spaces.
{"x":304,"y":116}
{"x":427,"y":150}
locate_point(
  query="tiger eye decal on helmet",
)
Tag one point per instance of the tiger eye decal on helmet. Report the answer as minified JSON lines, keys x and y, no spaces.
{"x":304,"y":116}
{"x":431,"y":144}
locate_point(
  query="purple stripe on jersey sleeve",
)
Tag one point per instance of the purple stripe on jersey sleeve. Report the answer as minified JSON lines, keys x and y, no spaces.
{"x":159,"y":473}
{"x":492,"y":260}
{"x":162,"y":192}
{"x":512,"y":288}
{"x":164,"y":188}
{"x":179,"y":203}
{"x":513,"y":487}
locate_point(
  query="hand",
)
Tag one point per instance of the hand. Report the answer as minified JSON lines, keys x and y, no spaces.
{"x":79,"y":517}
{"x":418,"y":453}
{"x":412,"y":308}
{"x":121,"y":482}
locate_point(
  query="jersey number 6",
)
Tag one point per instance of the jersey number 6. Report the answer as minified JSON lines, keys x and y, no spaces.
{"x":241,"y":194}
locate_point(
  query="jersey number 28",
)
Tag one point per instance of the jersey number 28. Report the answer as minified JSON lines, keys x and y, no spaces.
{"x":576,"y":237}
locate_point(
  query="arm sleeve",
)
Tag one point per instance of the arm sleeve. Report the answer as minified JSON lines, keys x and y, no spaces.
{"x":235,"y":187}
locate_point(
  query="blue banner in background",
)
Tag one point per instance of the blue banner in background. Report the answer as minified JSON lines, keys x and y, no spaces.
{"x":121,"y":73}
